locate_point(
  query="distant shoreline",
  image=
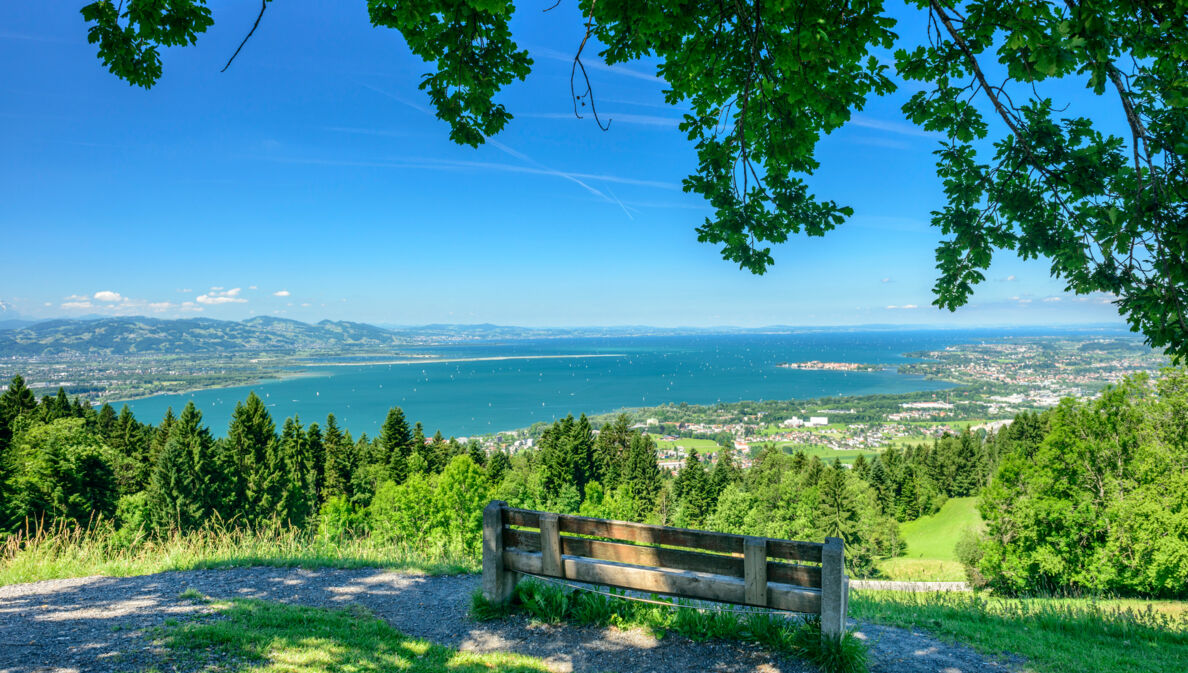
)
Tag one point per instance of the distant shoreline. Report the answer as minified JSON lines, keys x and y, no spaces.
{"x":430,"y":361}
{"x":273,"y":377}
{"x":287,"y":372}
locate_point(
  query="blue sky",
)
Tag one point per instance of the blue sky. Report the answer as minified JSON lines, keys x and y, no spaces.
{"x":309,"y":182}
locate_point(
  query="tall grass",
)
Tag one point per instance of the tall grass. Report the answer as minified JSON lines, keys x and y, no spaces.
{"x":62,"y":550}
{"x":1056,"y":635}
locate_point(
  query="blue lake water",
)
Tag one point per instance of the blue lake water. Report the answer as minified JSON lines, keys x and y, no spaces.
{"x":466,"y":398}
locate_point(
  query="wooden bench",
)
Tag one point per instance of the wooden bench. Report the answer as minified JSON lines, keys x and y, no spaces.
{"x":659,"y":559}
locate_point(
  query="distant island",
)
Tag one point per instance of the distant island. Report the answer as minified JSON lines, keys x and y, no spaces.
{"x":816,"y":365}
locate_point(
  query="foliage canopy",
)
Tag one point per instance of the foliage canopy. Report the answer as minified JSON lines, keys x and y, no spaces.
{"x":765,"y":80}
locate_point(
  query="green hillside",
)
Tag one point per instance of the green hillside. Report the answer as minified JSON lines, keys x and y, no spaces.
{"x":931,"y":542}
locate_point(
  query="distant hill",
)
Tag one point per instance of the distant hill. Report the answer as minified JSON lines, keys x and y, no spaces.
{"x":190,"y":336}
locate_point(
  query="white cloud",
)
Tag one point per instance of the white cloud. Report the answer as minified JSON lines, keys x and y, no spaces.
{"x":253,"y":287}
{"x":897,"y":127}
{"x":77,"y":297}
{"x":186,"y":290}
{"x":888,"y":280}
{"x":1051,"y":299}
{"x":161,"y":305}
{"x":905,"y":306}
{"x":1010,"y":278}
{"x":76,"y":304}
{"x":226,"y":297}
{"x":597,"y":64}
{"x":281,"y":293}
{"x":108,"y":295}
{"x":306,"y":304}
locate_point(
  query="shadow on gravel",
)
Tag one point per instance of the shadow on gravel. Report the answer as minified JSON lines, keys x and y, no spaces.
{"x":102,"y":624}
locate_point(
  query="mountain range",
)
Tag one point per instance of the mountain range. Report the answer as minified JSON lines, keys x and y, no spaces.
{"x":189,"y":336}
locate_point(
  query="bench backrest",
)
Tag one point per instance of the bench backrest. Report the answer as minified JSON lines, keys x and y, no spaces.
{"x":679,"y":562}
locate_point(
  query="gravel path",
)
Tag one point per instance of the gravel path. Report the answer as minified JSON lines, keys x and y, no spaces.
{"x":97,"y":624}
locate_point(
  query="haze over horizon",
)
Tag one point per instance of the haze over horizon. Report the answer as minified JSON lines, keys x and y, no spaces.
{"x":309,"y":181}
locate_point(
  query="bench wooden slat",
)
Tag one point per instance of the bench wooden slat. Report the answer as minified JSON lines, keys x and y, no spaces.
{"x":793,"y":550}
{"x":788,"y":573}
{"x":648,"y":534}
{"x":731,"y":566}
{"x":683,"y":583}
{"x":675,"y":537}
{"x":521,"y":517}
{"x":631,"y":553}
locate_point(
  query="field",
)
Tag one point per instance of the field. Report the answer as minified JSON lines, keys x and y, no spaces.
{"x":826,"y":454}
{"x":931,"y":540}
{"x":702,"y":445}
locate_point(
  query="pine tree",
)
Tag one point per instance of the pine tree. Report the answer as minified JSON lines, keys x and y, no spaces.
{"x":295,"y":474}
{"x":370,"y":475}
{"x":208,"y":478}
{"x":342,"y":462}
{"x":59,"y":406}
{"x":317,"y":455}
{"x":581,"y":444}
{"x":882,"y":486}
{"x":16,"y":401}
{"x":437,"y":453}
{"x":105,"y":424}
{"x":724,"y":473}
{"x":498,"y":466}
{"x":135,"y":441}
{"x":691,"y":491}
{"x":557,"y":461}
{"x":160,"y":435}
{"x":249,"y":438}
{"x":968,"y":469}
{"x":837,"y":512}
{"x":395,"y":445}
{"x":184,"y":476}
{"x":476,"y":453}
{"x":813,"y":470}
{"x":861,"y":467}
{"x":610,"y":452}
{"x":644,"y":480}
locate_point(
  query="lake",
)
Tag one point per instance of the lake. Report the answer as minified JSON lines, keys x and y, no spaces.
{"x":479,"y":396}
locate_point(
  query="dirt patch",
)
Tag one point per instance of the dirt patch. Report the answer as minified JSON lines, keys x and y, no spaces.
{"x":98,"y":624}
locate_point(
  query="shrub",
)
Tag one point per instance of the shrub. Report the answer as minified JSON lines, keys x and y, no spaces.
{"x":338,"y":519}
{"x":969,"y":553}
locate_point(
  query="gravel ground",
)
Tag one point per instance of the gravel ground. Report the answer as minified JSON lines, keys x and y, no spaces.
{"x":97,"y":624}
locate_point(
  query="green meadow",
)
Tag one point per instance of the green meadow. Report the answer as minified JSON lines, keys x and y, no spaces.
{"x":702,"y":445}
{"x":931,"y":543}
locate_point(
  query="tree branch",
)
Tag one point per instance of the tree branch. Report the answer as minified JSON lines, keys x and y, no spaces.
{"x":263,"y":6}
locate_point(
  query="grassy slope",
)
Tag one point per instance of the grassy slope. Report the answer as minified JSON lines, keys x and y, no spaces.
{"x":930,"y":543}
{"x":271,"y":637}
{"x":1054,"y":635}
{"x":935,"y":536}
